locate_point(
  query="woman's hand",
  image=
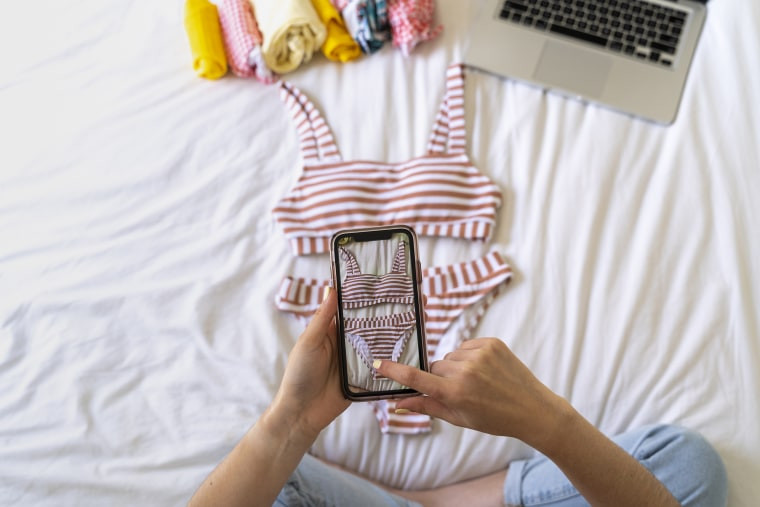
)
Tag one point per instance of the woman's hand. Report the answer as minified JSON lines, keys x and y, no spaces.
{"x":309,"y":397}
{"x":482,"y":385}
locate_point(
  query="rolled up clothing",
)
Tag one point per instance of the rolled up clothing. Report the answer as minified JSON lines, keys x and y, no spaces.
{"x":241,"y":37}
{"x":292,"y":32}
{"x":256,"y":61}
{"x":205,"y":36}
{"x":411,"y":23}
{"x":339,"y":46}
{"x":367,"y":22}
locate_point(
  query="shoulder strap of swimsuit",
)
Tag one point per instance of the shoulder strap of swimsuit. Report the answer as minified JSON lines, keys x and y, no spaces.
{"x":449,"y":134}
{"x":399,"y":261}
{"x":352,"y":267}
{"x":316,"y":140}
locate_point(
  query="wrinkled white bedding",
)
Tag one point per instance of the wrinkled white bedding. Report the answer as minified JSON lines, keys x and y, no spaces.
{"x":139,"y":259}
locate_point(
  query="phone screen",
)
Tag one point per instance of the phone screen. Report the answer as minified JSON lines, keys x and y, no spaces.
{"x":376,"y":274}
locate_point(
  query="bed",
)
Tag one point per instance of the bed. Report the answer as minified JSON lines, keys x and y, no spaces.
{"x":139,"y":259}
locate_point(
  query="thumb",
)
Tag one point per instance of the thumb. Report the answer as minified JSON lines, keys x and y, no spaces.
{"x":417,"y":379}
{"x":434,"y":386}
{"x":324,"y":318}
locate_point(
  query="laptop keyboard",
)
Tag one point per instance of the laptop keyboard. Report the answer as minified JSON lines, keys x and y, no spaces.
{"x":642,"y":30}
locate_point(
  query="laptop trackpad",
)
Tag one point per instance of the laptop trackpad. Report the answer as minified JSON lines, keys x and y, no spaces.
{"x":573,"y":69}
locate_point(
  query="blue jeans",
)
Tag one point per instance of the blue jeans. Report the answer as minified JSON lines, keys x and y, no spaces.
{"x":681,"y":459}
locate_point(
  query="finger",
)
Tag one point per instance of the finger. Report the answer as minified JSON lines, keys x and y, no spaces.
{"x":422,"y":381}
{"x":445,"y":368}
{"x":460,"y":355}
{"x":474,"y":343}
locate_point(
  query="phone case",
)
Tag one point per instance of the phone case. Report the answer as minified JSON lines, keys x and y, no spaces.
{"x":377,"y":274}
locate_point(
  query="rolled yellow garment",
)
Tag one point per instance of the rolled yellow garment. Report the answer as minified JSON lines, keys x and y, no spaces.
{"x":205,"y":34}
{"x":339,"y":46}
{"x":292,"y":32}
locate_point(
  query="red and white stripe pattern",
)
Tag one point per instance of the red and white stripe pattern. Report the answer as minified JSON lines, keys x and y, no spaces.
{"x":300,"y":296}
{"x":438,"y":194}
{"x":462,"y":290}
{"x":453,"y":289}
{"x":410,"y":423}
{"x":383,"y":337}
{"x":454,"y":292}
{"x":363,"y":289}
{"x":315,"y":138}
{"x":449,"y":134}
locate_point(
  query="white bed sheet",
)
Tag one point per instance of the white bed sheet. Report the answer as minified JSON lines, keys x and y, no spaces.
{"x":139,"y":259}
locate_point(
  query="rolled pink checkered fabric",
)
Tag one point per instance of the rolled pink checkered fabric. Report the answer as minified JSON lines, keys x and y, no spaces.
{"x":411,"y":23}
{"x":242,"y":40}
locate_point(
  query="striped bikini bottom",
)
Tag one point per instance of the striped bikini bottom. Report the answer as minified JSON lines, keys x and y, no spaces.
{"x":457,"y":297}
{"x":382,"y":337}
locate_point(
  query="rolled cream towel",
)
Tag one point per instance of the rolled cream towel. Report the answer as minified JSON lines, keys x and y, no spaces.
{"x":339,"y":46}
{"x":205,"y":35}
{"x":292,"y":32}
{"x":242,"y":38}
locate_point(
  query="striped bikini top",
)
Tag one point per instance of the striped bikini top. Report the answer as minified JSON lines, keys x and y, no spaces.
{"x":362,"y":289}
{"x":438,"y":194}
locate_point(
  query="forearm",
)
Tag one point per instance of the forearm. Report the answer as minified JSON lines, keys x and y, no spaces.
{"x":601,"y":471}
{"x":510,"y":401}
{"x":308,"y":399}
{"x":256,"y":469}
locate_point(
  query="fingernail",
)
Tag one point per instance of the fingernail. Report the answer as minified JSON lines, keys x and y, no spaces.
{"x":401,"y":411}
{"x":376,"y":363}
{"x":326,"y":292}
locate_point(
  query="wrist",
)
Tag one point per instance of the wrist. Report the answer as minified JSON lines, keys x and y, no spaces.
{"x":559,"y":421}
{"x":285,"y":426}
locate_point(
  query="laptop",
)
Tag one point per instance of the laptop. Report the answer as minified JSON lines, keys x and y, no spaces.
{"x":629,"y":55}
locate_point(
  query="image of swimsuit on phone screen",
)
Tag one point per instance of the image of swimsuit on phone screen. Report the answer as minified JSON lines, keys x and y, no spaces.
{"x":375,"y":272}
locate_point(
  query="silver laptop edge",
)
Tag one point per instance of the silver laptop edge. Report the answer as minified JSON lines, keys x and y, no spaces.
{"x":583,"y":71}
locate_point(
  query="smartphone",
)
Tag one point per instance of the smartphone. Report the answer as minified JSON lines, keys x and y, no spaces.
{"x":376,"y":274}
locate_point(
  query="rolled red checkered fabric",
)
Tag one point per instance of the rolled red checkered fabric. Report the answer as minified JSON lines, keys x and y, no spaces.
{"x":411,"y":23}
{"x":242,"y":40}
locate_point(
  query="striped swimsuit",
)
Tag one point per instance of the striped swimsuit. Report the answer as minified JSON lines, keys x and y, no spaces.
{"x":378,"y":336}
{"x":439,"y":194}
{"x":360,"y":289}
{"x":382,"y":337}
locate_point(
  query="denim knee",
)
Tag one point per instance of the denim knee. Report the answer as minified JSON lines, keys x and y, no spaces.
{"x":295,"y":492}
{"x":315,"y":484}
{"x":685,"y":463}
